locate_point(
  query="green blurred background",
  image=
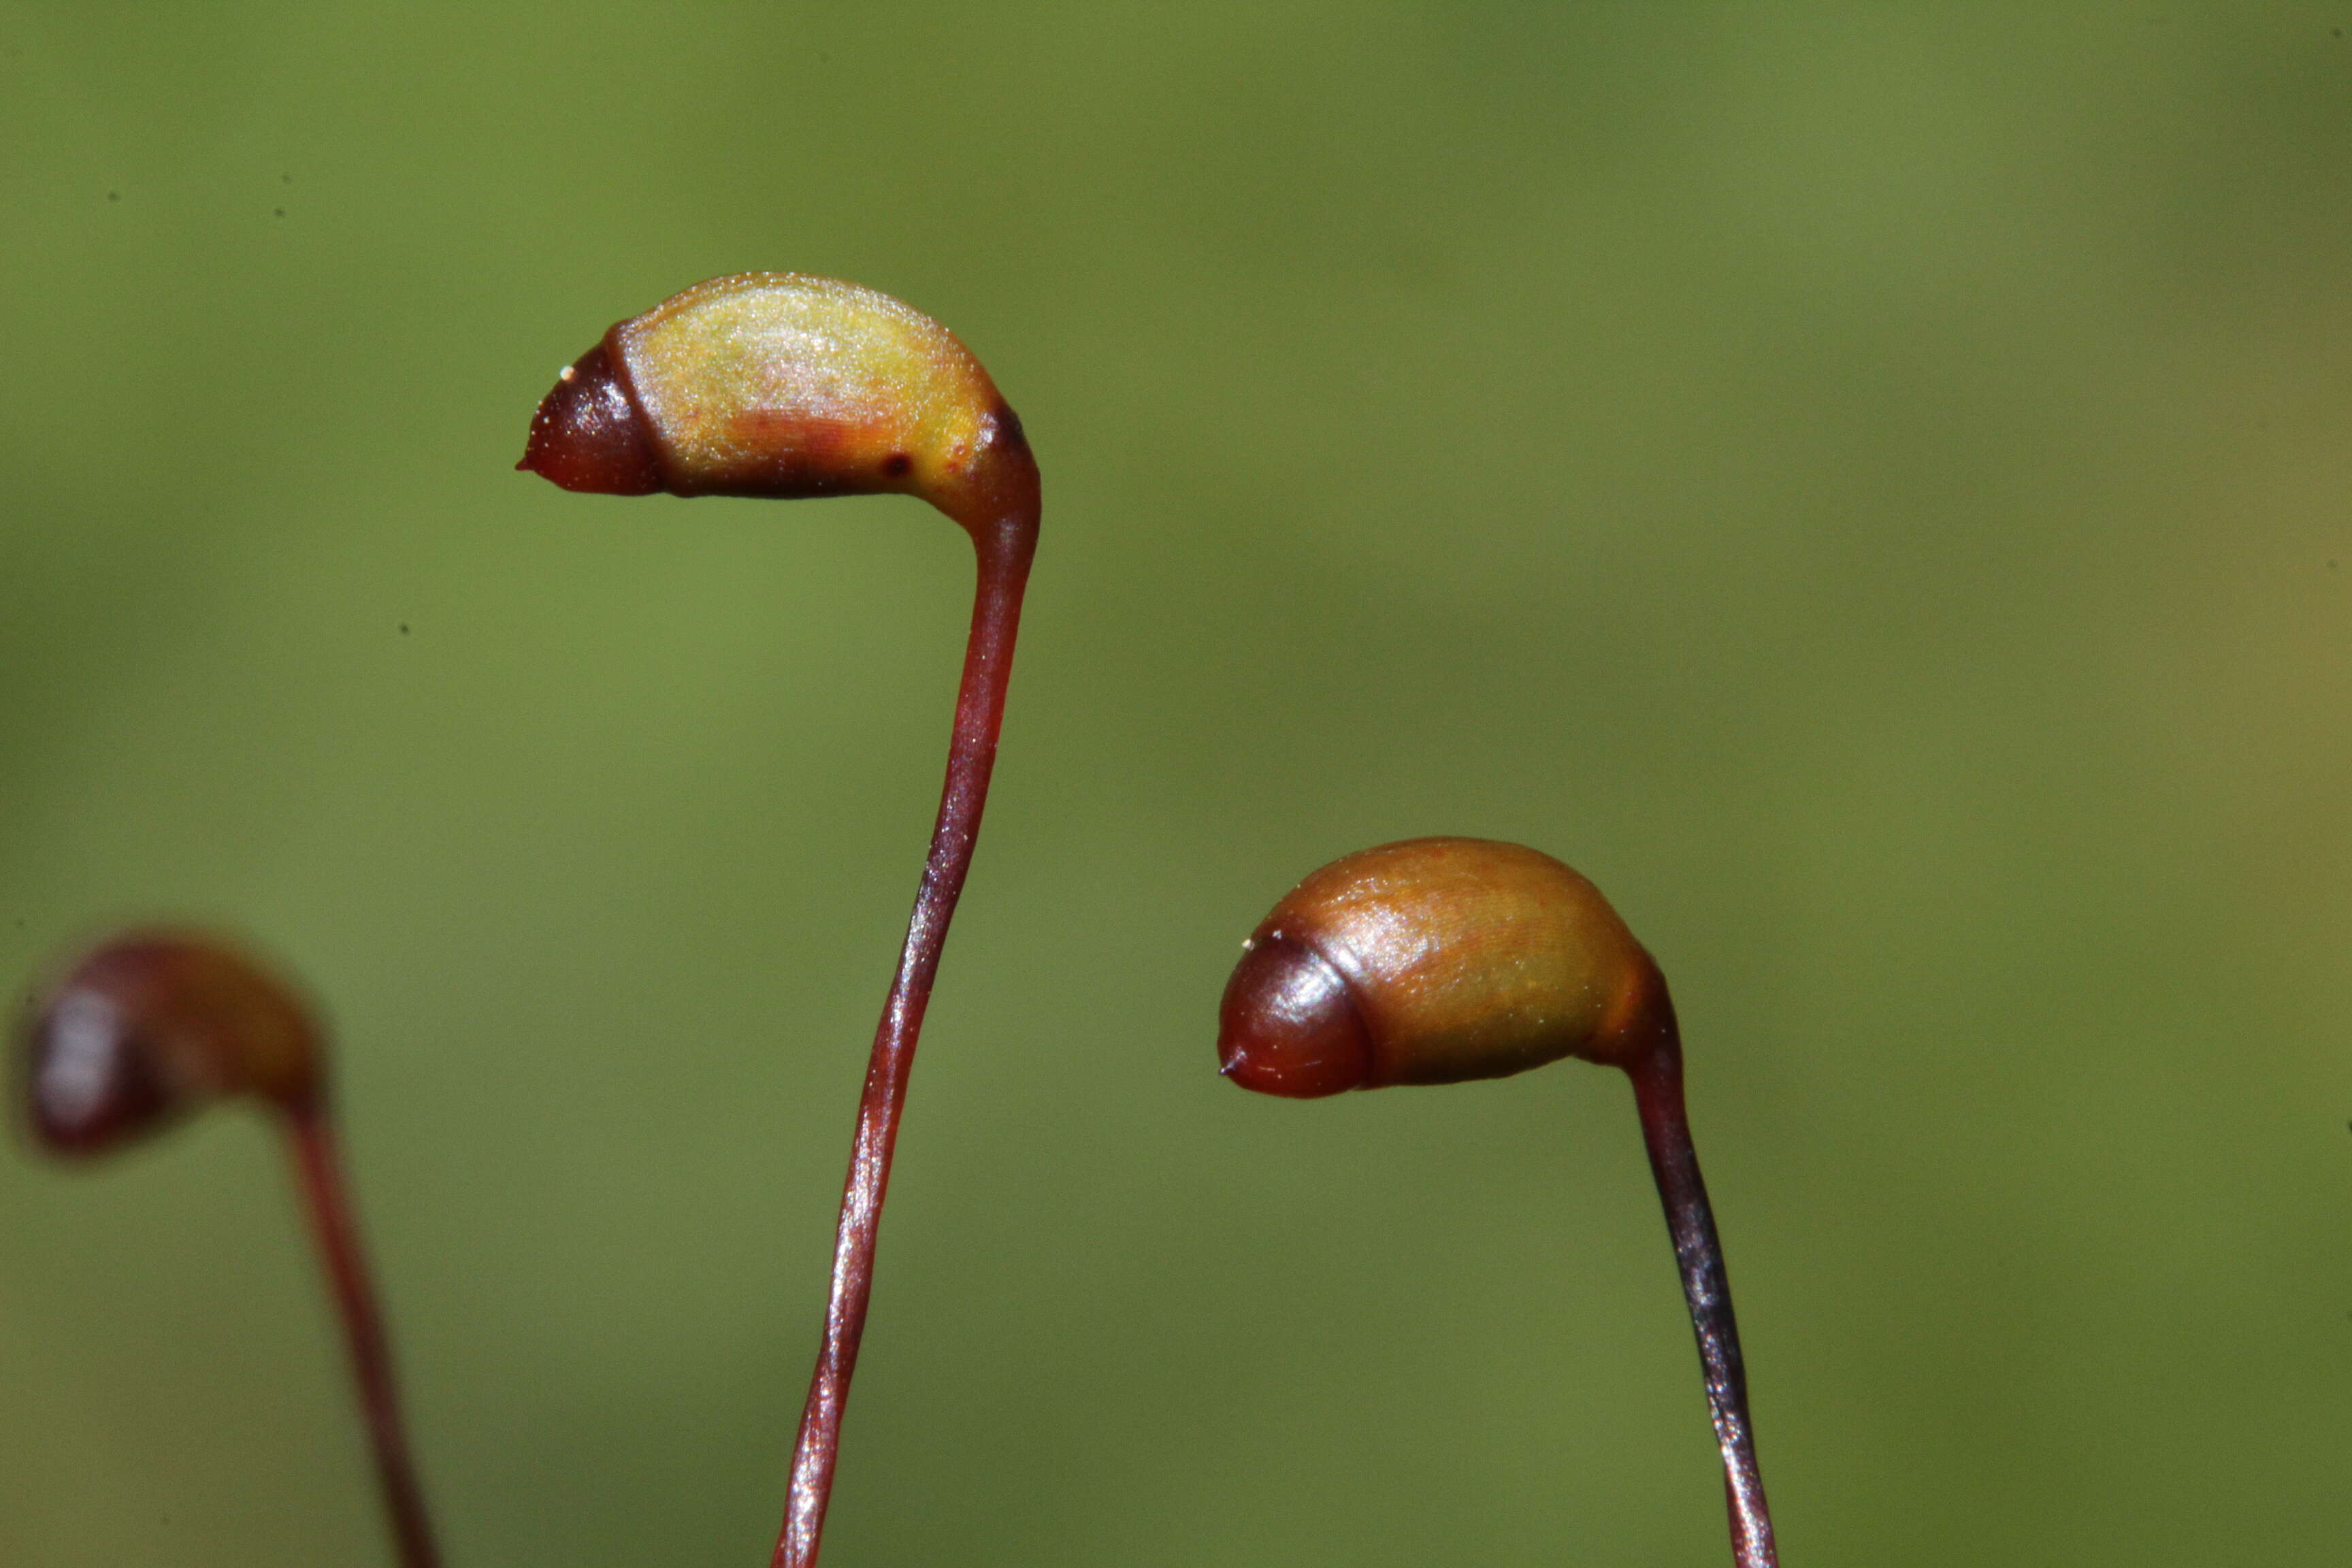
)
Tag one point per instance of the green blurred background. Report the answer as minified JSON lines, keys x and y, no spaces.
{"x":1870,"y":489}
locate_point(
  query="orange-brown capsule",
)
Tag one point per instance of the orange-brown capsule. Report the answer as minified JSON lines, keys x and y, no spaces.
{"x":1438,"y":960}
{"x":782,"y":386}
{"x":1435,"y":960}
{"x":151,"y":1024}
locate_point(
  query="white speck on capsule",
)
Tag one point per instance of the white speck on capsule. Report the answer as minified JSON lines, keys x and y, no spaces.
{"x":565,"y":374}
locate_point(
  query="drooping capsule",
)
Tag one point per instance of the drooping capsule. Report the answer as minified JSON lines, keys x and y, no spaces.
{"x":1434,"y":961}
{"x":151,"y":1024}
{"x":1440,"y":959}
{"x":782,"y":386}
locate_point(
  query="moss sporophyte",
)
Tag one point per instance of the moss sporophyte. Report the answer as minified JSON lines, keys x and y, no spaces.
{"x":1432,"y":961}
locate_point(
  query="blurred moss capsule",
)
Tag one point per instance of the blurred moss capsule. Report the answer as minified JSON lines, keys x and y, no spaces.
{"x":151,"y":1024}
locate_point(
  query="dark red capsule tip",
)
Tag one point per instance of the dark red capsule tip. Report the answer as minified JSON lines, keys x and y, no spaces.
{"x":91,"y":1082}
{"x":1288,"y":1025}
{"x":589,"y":434}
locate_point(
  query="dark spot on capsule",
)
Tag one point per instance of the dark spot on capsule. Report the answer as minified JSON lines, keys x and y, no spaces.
{"x":1008,"y":425}
{"x":279,"y":211}
{"x":114,"y":196}
{"x":897,"y":464}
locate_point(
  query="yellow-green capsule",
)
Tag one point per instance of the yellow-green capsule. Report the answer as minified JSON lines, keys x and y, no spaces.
{"x":782,"y":385}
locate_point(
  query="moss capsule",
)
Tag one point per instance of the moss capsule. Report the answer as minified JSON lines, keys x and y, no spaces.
{"x":1440,"y":959}
{"x":155,"y":1024}
{"x":779,"y":385}
{"x":1434,"y":961}
{"x":784,"y":385}
{"x":151,"y":1024}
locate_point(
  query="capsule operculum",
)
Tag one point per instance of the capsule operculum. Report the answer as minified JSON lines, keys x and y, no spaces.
{"x":591,"y":433}
{"x":89,"y":1083}
{"x":1289,"y":1024}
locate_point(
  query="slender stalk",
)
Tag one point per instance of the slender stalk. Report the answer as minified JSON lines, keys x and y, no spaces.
{"x":317,"y":1170}
{"x":1690,"y":1219}
{"x":1004,"y":551}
